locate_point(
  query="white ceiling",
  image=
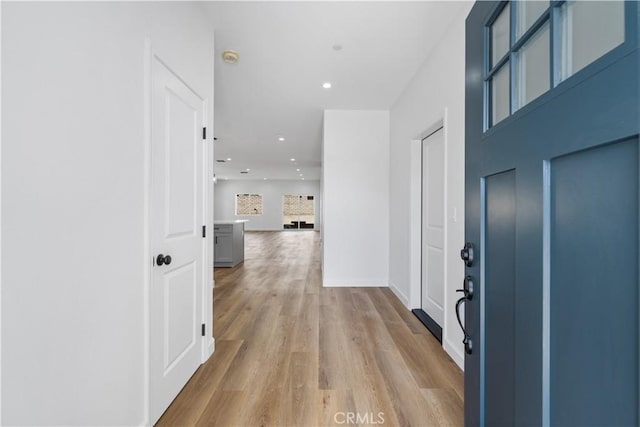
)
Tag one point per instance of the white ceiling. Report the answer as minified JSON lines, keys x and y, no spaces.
{"x":286,"y":53}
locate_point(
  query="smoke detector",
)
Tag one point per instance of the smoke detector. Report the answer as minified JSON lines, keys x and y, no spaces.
{"x":230,"y":56}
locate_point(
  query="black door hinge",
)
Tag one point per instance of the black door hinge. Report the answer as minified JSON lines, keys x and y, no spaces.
{"x":203,"y":329}
{"x":204,"y":231}
{"x":204,"y":133}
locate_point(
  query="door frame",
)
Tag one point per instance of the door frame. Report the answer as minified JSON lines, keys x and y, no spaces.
{"x":0,"y":220}
{"x":415,"y":225}
{"x":208,"y":341}
{"x":424,"y":317}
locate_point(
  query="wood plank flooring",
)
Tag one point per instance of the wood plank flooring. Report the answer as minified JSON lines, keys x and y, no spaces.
{"x":292,"y":353}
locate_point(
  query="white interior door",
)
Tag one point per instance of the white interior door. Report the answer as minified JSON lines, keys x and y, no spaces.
{"x":433,"y":223}
{"x":175,"y":303}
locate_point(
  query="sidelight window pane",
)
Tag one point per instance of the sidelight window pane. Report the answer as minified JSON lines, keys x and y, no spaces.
{"x":500,"y":35}
{"x":533,"y":68}
{"x":588,"y":30}
{"x":527,"y":12}
{"x":500,"y":94}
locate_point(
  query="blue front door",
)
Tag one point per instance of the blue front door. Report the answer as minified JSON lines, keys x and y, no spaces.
{"x":552,"y":203}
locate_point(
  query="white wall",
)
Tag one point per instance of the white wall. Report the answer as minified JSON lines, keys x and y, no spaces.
{"x":272,"y":192}
{"x":355,"y":198}
{"x":437,"y":87}
{"x":73,"y":202}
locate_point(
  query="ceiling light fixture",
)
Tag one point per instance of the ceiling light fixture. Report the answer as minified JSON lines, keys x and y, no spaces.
{"x":292,"y":159}
{"x":228,"y":159}
{"x":281,"y":139}
{"x":297,"y":170}
{"x":230,"y":56}
{"x":326,"y":85}
{"x":247,"y":169}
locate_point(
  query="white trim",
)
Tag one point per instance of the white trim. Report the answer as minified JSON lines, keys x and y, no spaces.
{"x":400,"y":295}
{"x":1,"y":218}
{"x":356,"y":283}
{"x":445,"y":246}
{"x":455,"y":355}
{"x":210,"y":278}
{"x":211,"y":348}
{"x":415,"y":223}
{"x":207,"y":243}
{"x":146,"y":259}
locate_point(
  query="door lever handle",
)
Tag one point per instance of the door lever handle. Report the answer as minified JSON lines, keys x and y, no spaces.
{"x":468,"y":295}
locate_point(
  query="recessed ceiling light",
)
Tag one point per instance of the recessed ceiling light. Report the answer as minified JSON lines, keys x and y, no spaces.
{"x":247,"y":169}
{"x":301,"y":174}
{"x":292,"y":159}
{"x":297,"y":170}
{"x":264,"y":179}
{"x":303,"y":179}
{"x":228,"y":159}
{"x":281,"y":139}
{"x":230,"y":56}
{"x":326,"y":85}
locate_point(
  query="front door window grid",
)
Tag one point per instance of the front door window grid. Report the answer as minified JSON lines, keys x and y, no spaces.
{"x":532,"y":46}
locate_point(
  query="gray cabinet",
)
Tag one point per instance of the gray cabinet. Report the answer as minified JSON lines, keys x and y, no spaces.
{"x":228,"y":244}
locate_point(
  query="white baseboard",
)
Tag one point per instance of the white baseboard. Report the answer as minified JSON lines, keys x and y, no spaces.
{"x":401,"y":296}
{"x":454,"y":353}
{"x":355,"y":283}
{"x":208,"y":350}
{"x":211,"y":347}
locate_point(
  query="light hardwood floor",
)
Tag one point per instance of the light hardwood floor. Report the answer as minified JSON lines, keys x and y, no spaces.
{"x":292,"y":353}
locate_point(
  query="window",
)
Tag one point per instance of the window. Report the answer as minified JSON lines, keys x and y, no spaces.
{"x":532,"y":68}
{"x":298,"y":212}
{"x":588,"y":30}
{"x":248,"y":204}
{"x":523,"y":60}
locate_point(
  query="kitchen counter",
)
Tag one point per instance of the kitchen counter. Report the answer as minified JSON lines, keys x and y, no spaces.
{"x":236,"y":221}
{"x":228,"y":242}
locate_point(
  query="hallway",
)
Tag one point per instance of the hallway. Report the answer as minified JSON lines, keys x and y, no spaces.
{"x":292,"y":353}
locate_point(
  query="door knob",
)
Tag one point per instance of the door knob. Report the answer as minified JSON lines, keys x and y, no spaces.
{"x":467,"y":254}
{"x":163,"y":259}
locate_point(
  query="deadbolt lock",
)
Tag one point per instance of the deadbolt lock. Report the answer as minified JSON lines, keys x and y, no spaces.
{"x":467,"y":254}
